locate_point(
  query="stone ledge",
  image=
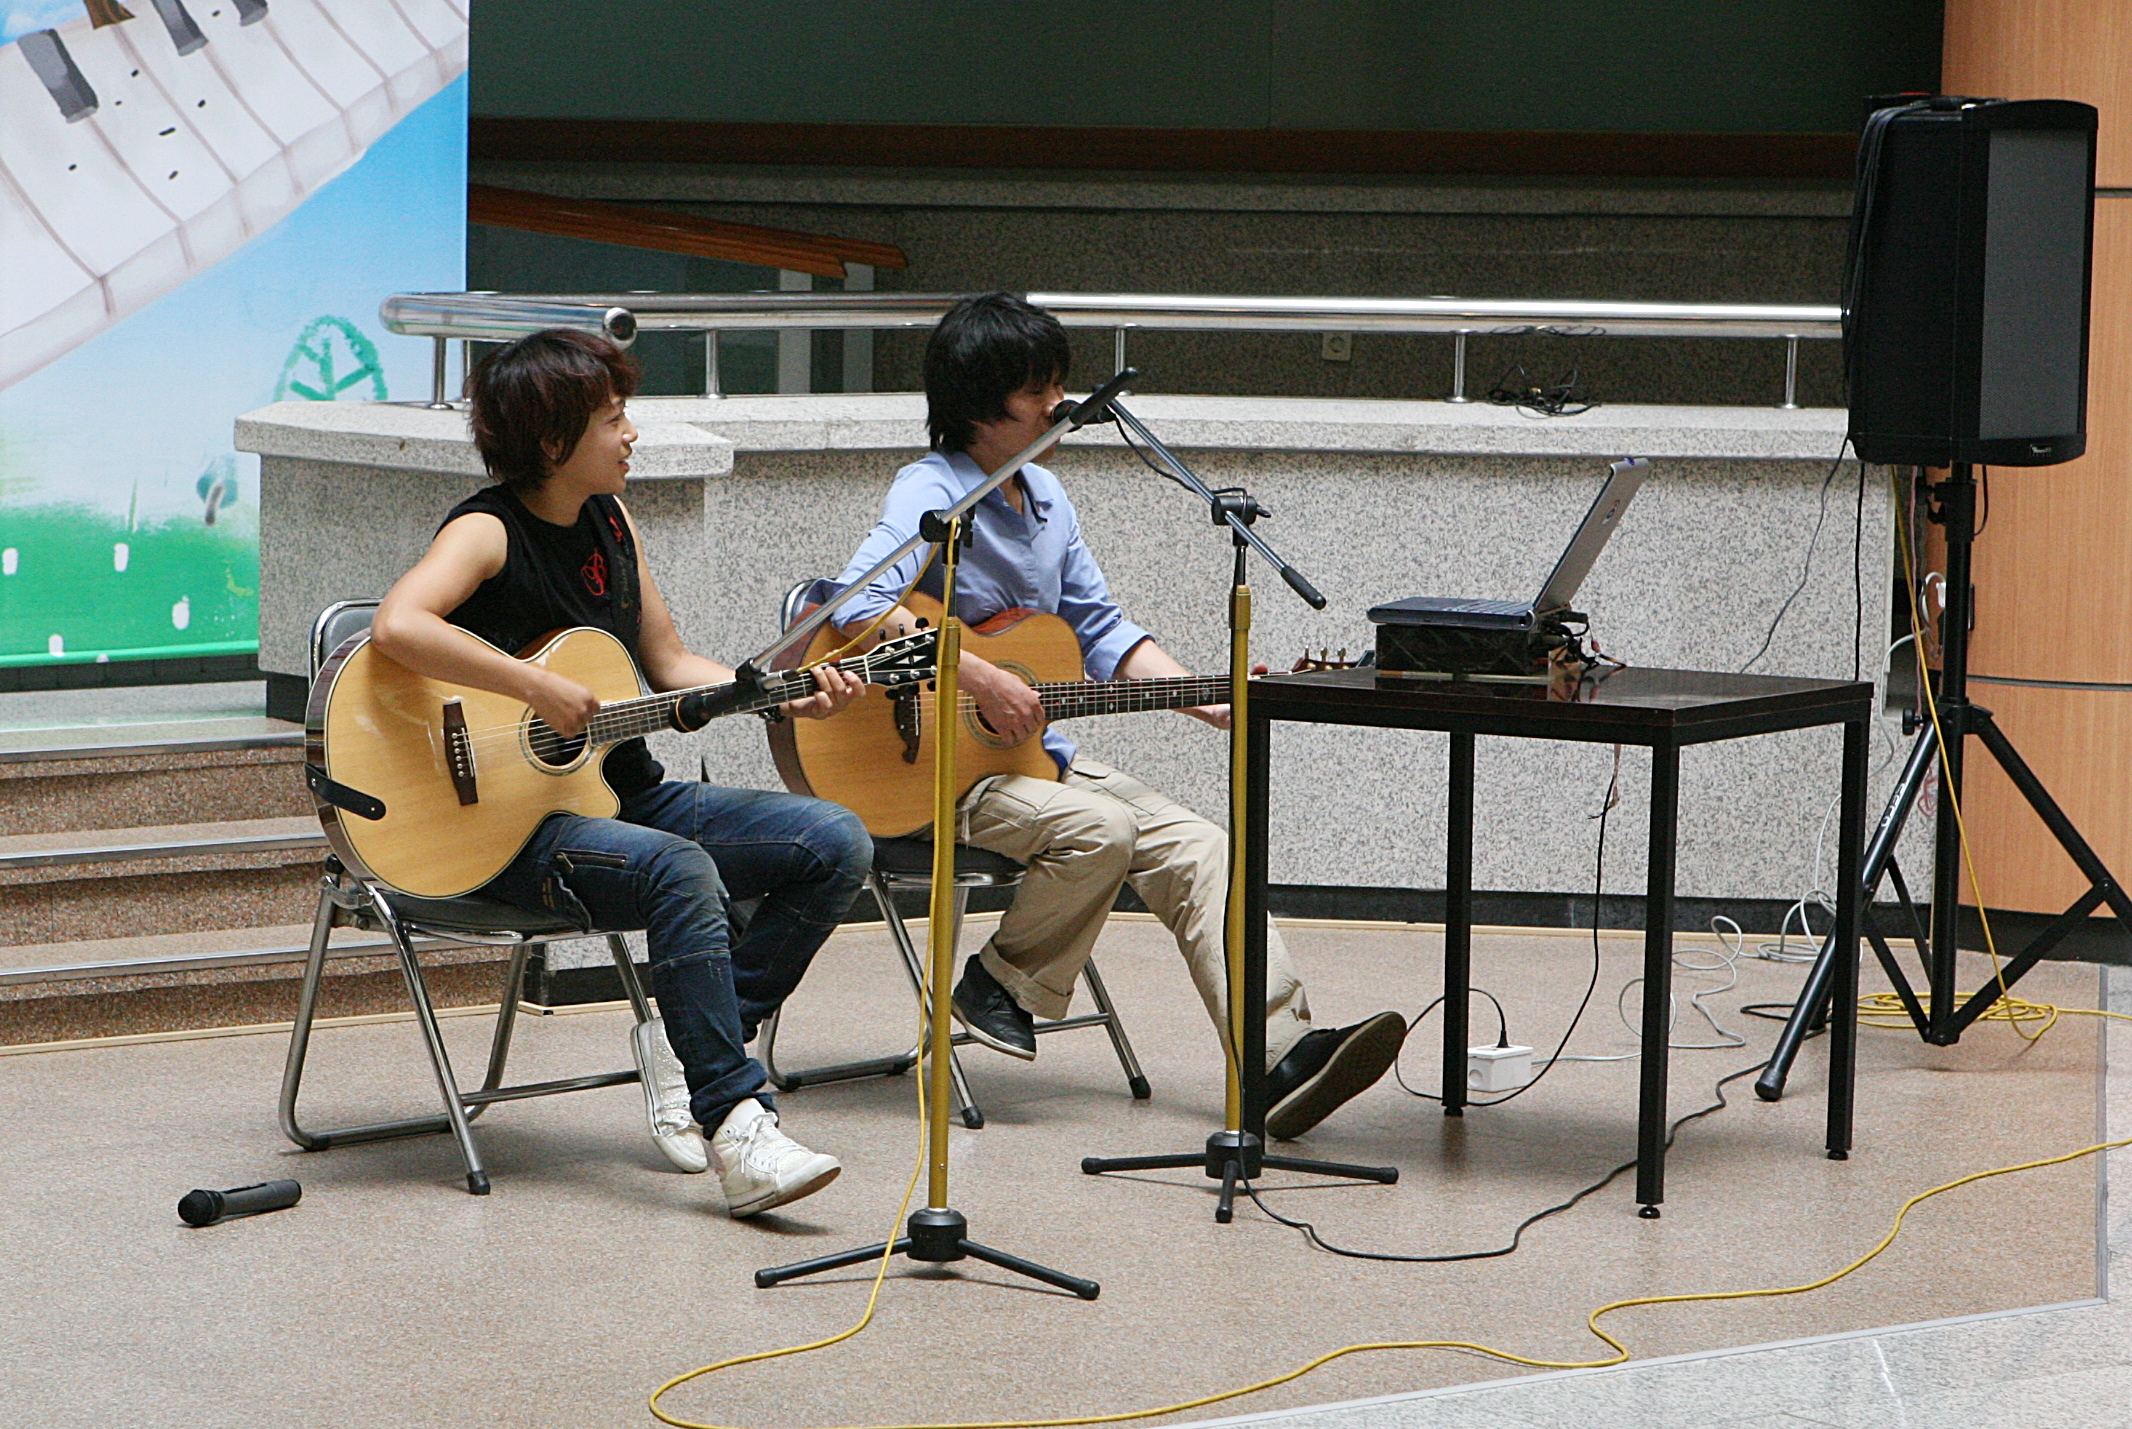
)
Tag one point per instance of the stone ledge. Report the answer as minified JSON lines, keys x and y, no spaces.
{"x":893,"y":421}
{"x":408,"y":437}
{"x":699,"y":437}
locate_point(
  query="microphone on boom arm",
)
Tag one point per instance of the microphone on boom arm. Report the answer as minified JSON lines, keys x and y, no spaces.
{"x":1095,"y":408}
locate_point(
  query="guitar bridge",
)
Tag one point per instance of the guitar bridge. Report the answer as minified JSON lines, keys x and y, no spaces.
{"x":459,"y":752}
{"x":906,"y":706}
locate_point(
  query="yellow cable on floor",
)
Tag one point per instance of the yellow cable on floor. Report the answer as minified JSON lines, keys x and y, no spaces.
{"x":873,"y":1296}
{"x":1885,"y":1009}
{"x":1620,"y":1355}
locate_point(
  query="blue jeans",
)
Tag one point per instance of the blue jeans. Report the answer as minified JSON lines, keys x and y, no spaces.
{"x":673,"y":862}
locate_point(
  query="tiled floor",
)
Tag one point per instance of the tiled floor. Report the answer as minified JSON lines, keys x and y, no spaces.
{"x":2068,"y":1368}
{"x":389,"y":1297}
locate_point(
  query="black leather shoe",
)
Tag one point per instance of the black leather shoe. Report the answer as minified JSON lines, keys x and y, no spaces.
{"x":992,"y":1015}
{"x":1327,"y":1067}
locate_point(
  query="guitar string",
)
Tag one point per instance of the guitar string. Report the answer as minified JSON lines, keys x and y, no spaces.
{"x":627,"y":719}
{"x":618,"y":721}
{"x":645,"y":714}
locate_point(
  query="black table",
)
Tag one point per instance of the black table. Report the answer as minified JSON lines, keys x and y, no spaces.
{"x":1661,"y":710}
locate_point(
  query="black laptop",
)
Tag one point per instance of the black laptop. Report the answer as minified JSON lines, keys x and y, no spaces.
{"x":1624,"y":477}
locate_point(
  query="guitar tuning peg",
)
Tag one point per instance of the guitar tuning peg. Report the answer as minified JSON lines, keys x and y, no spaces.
{"x":1343,"y":654}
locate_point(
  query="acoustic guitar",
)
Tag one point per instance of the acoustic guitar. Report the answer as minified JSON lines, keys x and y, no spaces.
{"x":875,"y":756}
{"x":432,"y":788}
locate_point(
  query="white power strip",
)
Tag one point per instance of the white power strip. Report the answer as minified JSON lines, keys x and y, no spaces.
{"x":1497,"y":1069}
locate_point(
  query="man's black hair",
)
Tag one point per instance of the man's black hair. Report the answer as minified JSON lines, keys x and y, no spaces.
{"x":530,"y":400}
{"x":986,"y":347}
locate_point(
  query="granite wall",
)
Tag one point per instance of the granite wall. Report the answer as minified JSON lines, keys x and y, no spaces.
{"x":1692,"y":580}
{"x":758,"y":494}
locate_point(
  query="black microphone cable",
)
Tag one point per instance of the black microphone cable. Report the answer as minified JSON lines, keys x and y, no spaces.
{"x":1311,"y":1233}
{"x":1806,"y":567}
{"x":1613,"y":797}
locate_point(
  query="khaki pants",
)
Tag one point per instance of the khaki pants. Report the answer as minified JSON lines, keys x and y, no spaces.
{"x":1081,"y":838}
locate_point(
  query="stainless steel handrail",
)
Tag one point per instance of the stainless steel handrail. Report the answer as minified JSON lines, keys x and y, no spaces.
{"x":444,"y":316}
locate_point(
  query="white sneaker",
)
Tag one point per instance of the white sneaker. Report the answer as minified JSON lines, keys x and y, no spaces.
{"x":673,"y":1129}
{"x":762,"y":1167}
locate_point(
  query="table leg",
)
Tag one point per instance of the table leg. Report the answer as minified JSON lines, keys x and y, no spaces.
{"x":1251,"y":1051}
{"x":1458,"y":921}
{"x":1843,"y":939}
{"x":1657,"y":980}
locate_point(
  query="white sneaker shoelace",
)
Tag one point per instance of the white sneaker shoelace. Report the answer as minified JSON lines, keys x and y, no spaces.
{"x":761,"y":1167}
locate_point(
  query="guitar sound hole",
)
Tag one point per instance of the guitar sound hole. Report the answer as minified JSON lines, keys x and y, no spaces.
{"x":551,"y":748}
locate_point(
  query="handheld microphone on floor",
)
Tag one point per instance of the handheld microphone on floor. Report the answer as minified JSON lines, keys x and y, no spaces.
{"x":204,"y":1208}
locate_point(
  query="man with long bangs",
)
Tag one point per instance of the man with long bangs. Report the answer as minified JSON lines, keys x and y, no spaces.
{"x":994,"y":369}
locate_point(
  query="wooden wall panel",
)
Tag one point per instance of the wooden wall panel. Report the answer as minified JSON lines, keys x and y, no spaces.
{"x":2054,"y":566}
{"x":2079,"y":742}
{"x":2054,"y":563}
{"x":2049,"y":49}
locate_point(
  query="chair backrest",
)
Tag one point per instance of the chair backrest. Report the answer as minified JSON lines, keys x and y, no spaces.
{"x":335,"y":624}
{"x":794,"y":605}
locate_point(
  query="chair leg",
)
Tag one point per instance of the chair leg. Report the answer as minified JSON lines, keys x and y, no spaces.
{"x":632,"y":985}
{"x":973,"y":1117}
{"x":1135,"y":1079}
{"x":477,"y":1178}
{"x":322,"y":925}
{"x":506,"y":1021}
{"x":766,"y":1053}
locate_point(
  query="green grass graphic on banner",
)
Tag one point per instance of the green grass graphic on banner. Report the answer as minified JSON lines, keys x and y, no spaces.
{"x":76,"y":585}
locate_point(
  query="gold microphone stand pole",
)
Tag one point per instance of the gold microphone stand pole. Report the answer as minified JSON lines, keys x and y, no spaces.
{"x":1238,"y":1151}
{"x":938,"y":1233}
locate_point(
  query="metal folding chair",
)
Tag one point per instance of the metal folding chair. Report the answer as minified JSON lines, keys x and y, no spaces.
{"x":907,"y":864}
{"x":345,"y":899}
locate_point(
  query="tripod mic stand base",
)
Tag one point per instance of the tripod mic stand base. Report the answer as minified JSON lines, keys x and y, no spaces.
{"x":1233,"y":1156}
{"x":936,"y":1235}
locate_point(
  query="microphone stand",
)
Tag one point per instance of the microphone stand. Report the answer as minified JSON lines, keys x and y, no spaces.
{"x":938,"y":1233}
{"x":1238,"y":1151}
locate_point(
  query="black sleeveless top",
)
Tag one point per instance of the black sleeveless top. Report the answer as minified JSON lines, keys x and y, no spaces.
{"x":559,"y":576}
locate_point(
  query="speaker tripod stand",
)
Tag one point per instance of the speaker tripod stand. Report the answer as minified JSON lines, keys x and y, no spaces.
{"x":1941,"y":1017}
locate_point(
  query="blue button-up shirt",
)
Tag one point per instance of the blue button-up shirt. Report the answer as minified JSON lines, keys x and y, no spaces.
{"x":1032,"y":560}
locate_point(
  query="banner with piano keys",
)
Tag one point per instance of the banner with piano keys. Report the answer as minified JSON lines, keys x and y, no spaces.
{"x":202,"y":203}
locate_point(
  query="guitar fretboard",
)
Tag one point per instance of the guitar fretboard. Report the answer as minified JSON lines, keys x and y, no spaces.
{"x":648,"y":714}
{"x":1071,"y":698}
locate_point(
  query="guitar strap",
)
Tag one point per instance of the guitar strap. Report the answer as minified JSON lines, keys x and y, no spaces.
{"x":619,"y":548}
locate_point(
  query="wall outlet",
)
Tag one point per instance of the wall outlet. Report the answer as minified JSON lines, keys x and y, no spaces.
{"x":1497,"y":1069}
{"x":1337,"y":346}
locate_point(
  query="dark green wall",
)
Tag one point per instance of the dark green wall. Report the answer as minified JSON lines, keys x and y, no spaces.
{"x":1774,"y":66}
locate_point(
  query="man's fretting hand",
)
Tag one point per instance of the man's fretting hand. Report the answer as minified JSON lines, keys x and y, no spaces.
{"x":834,"y":689}
{"x":1217,"y":715}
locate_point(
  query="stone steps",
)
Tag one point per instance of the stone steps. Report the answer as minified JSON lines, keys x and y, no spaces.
{"x":230,"y":977}
{"x":179,"y":878}
{"x":161,"y":877}
{"x":134,"y":776}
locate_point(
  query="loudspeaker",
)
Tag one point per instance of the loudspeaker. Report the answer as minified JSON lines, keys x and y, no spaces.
{"x":1965,"y":302}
